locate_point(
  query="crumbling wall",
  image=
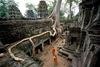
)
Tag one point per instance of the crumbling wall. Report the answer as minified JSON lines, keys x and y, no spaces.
{"x":14,"y":30}
{"x":87,"y":52}
{"x":90,"y":37}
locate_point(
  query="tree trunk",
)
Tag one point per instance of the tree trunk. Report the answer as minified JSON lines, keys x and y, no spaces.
{"x":70,"y":6}
{"x":56,"y":28}
{"x":56,"y":17}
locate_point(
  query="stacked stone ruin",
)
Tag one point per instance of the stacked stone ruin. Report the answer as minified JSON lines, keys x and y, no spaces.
{"x":42,"y":9}
{"x":19,"y":27}
{"x":14,"y":12}
{"x":91,"y":39}
{"x":88,"y":53}
{"x":15,"y":28}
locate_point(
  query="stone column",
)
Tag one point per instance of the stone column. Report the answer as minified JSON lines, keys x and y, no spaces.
{"x":50,"y":41}
{"x":42,"y":46}
{"x":33,"y":51}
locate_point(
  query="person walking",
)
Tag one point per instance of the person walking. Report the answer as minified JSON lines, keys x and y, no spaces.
{"x":55,"y":60}
{"x":53,"y":51}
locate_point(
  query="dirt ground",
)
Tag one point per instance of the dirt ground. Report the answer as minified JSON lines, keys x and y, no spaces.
{"x":47,"y":57}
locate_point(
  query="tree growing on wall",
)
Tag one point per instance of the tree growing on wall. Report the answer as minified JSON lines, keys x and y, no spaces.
{"x":55,"y":15}
{"x":51,"y":7}
{"x":57,"y":28}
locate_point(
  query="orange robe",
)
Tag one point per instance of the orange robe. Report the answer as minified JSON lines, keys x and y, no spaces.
{"x":55,"y":60}
{"x":53,"y":51}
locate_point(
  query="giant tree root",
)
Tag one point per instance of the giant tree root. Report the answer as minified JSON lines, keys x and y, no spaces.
{"x":55,"y":27}
{"x":30,"y":39}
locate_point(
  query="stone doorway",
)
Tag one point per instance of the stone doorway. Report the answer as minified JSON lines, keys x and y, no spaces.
{"x":95,"y":60}
{"x":38,"y":49}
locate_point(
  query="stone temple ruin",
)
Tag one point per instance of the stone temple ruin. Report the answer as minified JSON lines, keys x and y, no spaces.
{"x":14,"y":12}
{"x":42,"y":9}
{"x":83,"y":47}
{"x":15,"y":28}
{"x":81,"y":42}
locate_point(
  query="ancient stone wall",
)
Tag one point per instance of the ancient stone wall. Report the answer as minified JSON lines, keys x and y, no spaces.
{"x":86,"y":52}
{"x":13,"y":30}
{"x":90,"y":14}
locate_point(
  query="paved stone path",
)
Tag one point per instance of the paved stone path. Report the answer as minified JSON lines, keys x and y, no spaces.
{"x":47,"y":58}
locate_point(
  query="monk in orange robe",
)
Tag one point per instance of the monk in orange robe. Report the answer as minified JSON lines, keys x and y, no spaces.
{"x":55,"y":60}
{"x":53,"y":51}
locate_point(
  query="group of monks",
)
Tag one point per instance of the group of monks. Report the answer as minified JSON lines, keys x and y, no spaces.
{"x":54,"y":56}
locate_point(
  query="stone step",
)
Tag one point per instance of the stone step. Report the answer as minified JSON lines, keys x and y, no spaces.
{"x":68,"y":50}
{"x":28,"y":60}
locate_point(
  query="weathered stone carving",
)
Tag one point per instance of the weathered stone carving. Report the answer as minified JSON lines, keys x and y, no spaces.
{"x":42,"y":9}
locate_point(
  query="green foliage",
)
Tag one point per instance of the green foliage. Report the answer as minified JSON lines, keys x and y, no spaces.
{"x":68,"y":9}
{"x":11,"y":2}
{"x":76,"y":17}
{"x":29,"y":6}
{"x":70,"y":3}
{"x":3,"y":8}
{"x":62,"y":17}
{"x":32,"y":11}
{"x":29,"y":13}
{"x":51,"y":7}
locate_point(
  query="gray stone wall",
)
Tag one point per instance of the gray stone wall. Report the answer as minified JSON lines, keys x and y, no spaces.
{"x":13,"y":30}
{"x":90,"y":14}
